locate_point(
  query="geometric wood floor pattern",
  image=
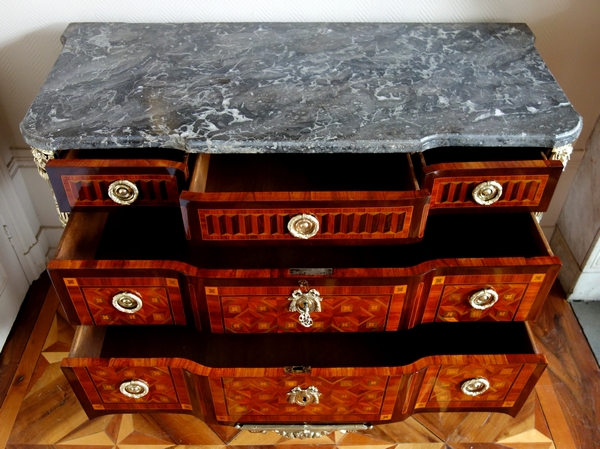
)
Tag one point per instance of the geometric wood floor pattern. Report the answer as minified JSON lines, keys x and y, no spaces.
{"x":49,"y":416}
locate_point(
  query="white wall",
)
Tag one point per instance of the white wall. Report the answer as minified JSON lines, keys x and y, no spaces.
{"x":568,"y":37}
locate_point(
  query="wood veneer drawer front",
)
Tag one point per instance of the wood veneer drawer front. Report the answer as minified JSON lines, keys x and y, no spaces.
{"x":503,"y":294}
{"x":106,"y":300}
{"x":248,"y":309}
{"x":300,"y":395}
{"x":160,"y":388}
{"x":81,"y":180}
{"x":479,"y":384}
{"x":297,"y":197}
{"x":387,"y":287}
{"x":475,"y":179}
{"x":338,"y":377}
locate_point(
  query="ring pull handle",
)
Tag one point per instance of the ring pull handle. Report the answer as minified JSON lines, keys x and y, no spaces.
{"x":483,"y":299}
{"x":127,"y":302}
{"x":487,"y":193}
{"x":123,"y":192}
{"x":303,"y":226}
{"x":475,"y":386}
{"x":305,"y":302}
{"x":302,"y":397}
{"x":136,"y":388}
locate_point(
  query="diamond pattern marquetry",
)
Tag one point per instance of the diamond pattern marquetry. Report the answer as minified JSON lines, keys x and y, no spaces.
{"x":261,"y":314}
{"x":448,"y":297}
{"x":455,"y":306}
{"x":92,"y":298}
{"x":155,"y":309}
{"x":108,"y":379}
{"x":268,"y":396}
{"x":450,"y":378}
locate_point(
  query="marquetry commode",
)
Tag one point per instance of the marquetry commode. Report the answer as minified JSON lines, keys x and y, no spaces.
{"x":301,"y":227}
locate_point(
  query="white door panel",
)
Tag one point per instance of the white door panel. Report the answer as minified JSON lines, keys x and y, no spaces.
{"x":13,"y":284}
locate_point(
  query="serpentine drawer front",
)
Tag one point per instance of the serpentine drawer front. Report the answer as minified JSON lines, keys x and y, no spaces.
{"x":240,"y":390}
{"x":297,"y":289}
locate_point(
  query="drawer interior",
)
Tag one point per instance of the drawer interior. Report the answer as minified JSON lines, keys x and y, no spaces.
{"x":315,"y":350}
{"x":166,"y":154}
{"x":144,"y":235}
{"x":303,"y":172}
{"x":480,"y":154}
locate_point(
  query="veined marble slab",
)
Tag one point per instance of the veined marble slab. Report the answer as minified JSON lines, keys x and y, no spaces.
{"x":299,"y":87}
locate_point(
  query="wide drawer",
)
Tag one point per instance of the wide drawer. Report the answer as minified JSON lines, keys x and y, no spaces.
{"x":287,"y":197}
{"x":110,"y":178}
{"x":488,"y":179}
{"x":305,"y":378}
{"x":448,"y":276}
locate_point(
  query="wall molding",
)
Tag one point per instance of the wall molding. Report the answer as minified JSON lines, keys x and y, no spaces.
{"x":21,"y":224}
{"x":21,"y":158}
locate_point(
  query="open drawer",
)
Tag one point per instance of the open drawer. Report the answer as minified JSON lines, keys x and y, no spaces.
{"x":484,"y":179}
{"x":295,"y":378}
{"x":321,"y":197}
{"x":448,"y":276}
{"x":108,"y":178}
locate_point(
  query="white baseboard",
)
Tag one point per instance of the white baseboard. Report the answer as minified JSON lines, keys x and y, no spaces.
{"x":579,"y":284}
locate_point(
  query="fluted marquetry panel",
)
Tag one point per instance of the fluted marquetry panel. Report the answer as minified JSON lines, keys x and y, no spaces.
{"x":92,"y":190}
{"x":222,"y":224}
{"x":516,"y":191}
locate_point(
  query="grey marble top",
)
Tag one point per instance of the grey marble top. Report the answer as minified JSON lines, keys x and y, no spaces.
{"x":299,"y":87}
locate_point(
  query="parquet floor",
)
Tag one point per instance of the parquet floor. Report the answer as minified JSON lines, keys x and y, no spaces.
{"x":562,"y":412}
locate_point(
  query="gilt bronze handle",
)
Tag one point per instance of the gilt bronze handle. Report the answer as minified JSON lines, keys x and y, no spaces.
{"x":483,"y":299}
{"x":487,"y":193}
{"x":303,"y":226}
{"x":475,"y":387}
{"x":127,"y":302}
{"x":123,"y":192}
{"x":136,"y":388}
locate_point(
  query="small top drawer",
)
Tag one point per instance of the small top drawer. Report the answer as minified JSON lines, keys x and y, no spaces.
{"x":321,"y":197}
{"x":484,"y":179}
{"x":101,"y":179}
